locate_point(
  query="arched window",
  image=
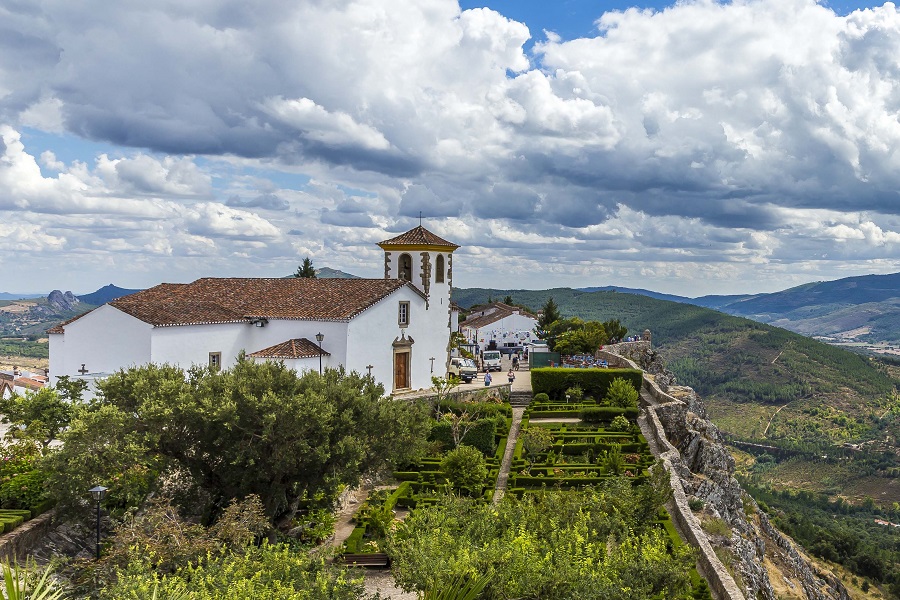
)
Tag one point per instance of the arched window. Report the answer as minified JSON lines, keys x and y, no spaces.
{"x":439,"y":268}
{"x":405,"y":267}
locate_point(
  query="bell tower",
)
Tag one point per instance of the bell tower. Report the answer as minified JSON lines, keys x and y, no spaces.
{"x":423,"y":259}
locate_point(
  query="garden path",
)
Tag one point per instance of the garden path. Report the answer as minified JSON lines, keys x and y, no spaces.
{"x":521,"y":384}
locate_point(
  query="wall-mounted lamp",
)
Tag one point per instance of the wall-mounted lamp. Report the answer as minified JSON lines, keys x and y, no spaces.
{"x":259,"y":321}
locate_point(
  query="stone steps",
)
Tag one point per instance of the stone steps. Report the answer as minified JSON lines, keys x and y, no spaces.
{"x":520,"y":398}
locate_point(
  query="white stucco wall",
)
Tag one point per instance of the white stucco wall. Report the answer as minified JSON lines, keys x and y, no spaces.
{"x":508,"y":325}
{"x":104,"y":340}
{"x":373,"y":332}
{"x":188,"y":345}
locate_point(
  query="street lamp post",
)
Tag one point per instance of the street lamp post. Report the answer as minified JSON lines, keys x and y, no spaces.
{"x":98,"y":492}
{"x":319,"y":337}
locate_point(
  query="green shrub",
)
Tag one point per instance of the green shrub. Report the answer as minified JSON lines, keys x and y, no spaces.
{"x":619,"y":423}
{"x":465,"y":470}
{"x":612,"y":461}
{"x":622,"y":393}
{"x":24,"y":490}
{"x":574,"y":394}
{"x":541,"y":397}
{"x":593,"y":382}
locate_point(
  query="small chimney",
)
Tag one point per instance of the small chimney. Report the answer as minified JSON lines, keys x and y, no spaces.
{"x":16,"y":371}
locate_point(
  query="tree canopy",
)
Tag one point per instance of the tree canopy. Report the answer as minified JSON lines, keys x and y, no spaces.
{"x":257,"y":428}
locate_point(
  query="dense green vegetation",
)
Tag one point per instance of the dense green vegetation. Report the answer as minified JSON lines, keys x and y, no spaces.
{"x":26,"y":348}
{"x":838,"y":531}
{"x":592,"y":544}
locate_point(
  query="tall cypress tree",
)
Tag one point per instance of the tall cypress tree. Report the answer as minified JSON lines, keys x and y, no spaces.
{"x":306,"y":269}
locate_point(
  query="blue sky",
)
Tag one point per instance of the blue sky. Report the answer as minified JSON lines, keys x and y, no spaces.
{"x":695,"y":148}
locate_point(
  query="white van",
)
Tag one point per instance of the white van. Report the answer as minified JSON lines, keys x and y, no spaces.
{"x":490,"y":360}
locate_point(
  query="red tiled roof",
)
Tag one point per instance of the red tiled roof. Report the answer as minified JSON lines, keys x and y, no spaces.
{"x":231,"y":300}
{"x":418,"y":236}
{"x":296,"y":348}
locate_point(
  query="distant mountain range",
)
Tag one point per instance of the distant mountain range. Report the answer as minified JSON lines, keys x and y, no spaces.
{"x":864,"y":309}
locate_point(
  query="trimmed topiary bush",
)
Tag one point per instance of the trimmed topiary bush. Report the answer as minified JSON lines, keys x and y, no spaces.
{"x":620,"y":423}
{"x":541,"y":397}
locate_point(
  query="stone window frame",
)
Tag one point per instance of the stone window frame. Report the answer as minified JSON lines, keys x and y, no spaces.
{"x":403,"y":313}
{"x":215,"y":360}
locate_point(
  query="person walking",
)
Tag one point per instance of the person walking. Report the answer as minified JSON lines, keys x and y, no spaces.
{"x":515,"y":363}
{"x":487,"y":379}
{"x":511,"y":376}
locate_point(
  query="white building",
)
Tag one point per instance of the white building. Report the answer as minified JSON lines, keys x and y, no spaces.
{"x":396,"y":328}
{"x":504,"y":324}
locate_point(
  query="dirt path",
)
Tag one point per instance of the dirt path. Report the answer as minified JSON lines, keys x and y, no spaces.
{"x":503,"y":476}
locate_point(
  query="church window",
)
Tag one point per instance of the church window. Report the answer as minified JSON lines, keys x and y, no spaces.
{"x":405,"y":267}
{"x":403,"y":314}
{"x":439,"y":269}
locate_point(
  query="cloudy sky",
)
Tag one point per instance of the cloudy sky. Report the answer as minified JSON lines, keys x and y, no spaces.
{"x":694,"y":148}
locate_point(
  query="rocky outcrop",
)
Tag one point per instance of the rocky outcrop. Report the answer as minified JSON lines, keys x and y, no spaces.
{"x":741,"y":553}
{"x":61,"y":302}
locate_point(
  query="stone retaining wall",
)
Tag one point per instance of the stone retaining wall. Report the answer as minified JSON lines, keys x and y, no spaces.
{"x":19,"y":542}
{"x":720,"y":581}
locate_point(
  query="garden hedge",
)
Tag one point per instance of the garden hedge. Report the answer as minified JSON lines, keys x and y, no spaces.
{"x":480,"y":436}
{"x":594,"y":382}
{"x":605,"y":414}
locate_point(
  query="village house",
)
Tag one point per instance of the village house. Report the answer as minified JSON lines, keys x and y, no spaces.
{"x":504,"y":325}
{"x":396,"y":328}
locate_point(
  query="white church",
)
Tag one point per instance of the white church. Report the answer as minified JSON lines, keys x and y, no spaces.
{"x":397,"y":328}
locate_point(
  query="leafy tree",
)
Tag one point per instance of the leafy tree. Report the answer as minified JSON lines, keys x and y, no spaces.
{"x":306,"y":269}
{"x":621,"y":393}
{"x":465,"y":470}
{"x":43,"y":414}
{"x":442,"y":387}
{"x":574,"y":336}
{"x":508,"y":300}
{"x":257,"y":428}
{"x":615,"y":331}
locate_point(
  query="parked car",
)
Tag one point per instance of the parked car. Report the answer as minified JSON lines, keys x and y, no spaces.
{"x":463,"y":368}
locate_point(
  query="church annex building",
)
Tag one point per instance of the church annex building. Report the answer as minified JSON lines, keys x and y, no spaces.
{"x":396,"y":328}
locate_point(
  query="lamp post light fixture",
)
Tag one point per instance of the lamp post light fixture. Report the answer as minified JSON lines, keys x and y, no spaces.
{"x":98,"y":492}
{"x":319,"y":337}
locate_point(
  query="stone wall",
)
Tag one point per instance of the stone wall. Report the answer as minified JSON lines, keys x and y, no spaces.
{"x":693,"y":451}
{"x":19,"y":542}
{"x":720,"y":580}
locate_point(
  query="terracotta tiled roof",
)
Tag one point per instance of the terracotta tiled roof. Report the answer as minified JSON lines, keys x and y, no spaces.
{"x":297,"y":348}
{"x":419,"y":237}
{"x":231,"y":300}
{"x":27,"y":382}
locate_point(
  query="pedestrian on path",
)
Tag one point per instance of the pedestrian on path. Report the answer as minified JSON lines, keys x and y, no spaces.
{"x":487,"y":379}
{"x":511,"y":376}
{"x":515,"y":362}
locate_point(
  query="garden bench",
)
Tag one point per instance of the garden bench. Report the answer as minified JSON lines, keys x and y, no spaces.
{"x":373,"y":560}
